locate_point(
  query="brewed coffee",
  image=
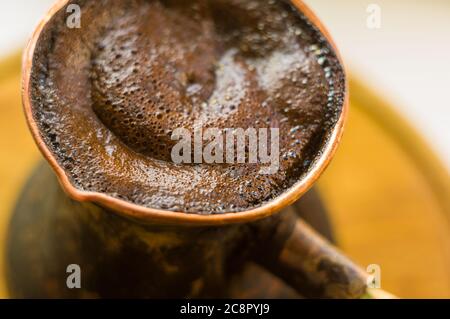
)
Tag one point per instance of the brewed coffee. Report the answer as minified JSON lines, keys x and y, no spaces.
{"x":108,"y":96}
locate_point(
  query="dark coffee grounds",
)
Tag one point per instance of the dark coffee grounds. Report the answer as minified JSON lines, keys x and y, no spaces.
{"x":108,"y":96}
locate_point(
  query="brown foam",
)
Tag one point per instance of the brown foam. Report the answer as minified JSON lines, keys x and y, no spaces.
{"x":108,"y":96}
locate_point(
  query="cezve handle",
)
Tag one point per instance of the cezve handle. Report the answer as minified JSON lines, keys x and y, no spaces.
{"x":307,"y":262}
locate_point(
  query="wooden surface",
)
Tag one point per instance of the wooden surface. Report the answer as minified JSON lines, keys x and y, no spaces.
{"x":389,"y":198}
{"x":388,"y":195}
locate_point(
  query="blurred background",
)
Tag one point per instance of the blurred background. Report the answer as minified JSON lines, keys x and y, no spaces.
{"x":406,"y":57}
{"x":391,"y":206}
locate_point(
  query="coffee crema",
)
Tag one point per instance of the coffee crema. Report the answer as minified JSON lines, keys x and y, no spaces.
{"x":107,"y":96}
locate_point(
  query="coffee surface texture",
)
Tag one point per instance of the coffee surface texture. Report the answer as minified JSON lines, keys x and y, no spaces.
{"x":108,"y":96}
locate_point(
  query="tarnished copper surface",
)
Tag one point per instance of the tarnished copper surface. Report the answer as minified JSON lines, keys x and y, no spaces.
{"x":121,"y":257}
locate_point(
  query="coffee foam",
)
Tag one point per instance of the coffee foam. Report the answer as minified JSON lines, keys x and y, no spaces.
{"x":108,"y":97}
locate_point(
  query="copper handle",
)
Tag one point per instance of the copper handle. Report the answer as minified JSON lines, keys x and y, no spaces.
{"x":309,"y":263}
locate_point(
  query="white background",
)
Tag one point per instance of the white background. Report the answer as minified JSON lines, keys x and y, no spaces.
{"x":407,"y":59}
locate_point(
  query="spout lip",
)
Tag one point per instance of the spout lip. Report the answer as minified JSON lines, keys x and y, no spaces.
{"x":151,"y":215}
